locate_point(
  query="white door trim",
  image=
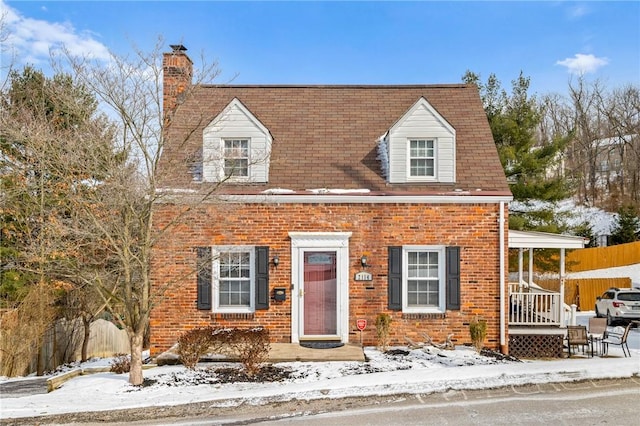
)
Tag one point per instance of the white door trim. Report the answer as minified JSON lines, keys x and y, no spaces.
{"x":338,"y":241}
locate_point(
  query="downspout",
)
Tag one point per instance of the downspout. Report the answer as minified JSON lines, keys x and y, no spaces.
{"x":563,"y":319}
{"x":503,"y":340}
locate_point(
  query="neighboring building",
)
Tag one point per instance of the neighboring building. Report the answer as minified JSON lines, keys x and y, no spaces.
{"x":330,"y":204}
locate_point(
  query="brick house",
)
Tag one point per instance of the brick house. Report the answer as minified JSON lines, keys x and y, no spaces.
{"x":328,"y":204}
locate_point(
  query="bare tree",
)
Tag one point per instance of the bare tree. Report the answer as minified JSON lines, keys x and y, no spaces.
{"x":601,"y":159}
{"x":621,"y":107}
{"x":120,"y":208}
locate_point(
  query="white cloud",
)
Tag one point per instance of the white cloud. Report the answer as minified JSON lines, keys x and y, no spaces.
{"x":578,"y":11}
{"x":32,"y":40}
{"x":583,"y":64}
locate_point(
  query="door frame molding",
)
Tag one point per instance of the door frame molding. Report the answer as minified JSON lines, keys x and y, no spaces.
{"x":338,"y":241}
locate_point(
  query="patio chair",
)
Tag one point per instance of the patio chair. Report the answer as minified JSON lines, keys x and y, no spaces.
{"x":619,"y":339}
{"x":597,"y":332}
{"x":576,"y":337}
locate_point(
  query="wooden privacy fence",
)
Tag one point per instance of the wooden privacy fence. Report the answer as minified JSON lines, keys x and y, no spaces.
{"x":583,"y":291}
{"x":63,"y":343}
{"x":603,"y":257}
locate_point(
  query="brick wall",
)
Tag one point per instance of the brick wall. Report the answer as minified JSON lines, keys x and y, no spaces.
{"x":177,"y":69}
{"x":473,"y":227}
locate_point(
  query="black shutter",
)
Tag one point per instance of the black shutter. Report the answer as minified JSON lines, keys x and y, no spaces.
{"x":203,"y":265}
{"x":395,"y":279}
{"x":262,"y":278}
{"x":453,"y":278}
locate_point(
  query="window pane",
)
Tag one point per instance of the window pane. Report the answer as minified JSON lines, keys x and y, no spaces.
{"x":234,"y":299}
{"x":236,"y":157}
{"x":234,"y":286}
{"x":422,"y":157}
{"x":412,"y":299}
{"x":244,"y":299}
{"x":413,"y":271}
{"x":422,"y":299}
{"x":423,"y":284}
{"x":433,"y":271}
{"x":423,"y":294}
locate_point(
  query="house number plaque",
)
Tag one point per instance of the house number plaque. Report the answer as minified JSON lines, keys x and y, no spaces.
{"x":363,"y":276}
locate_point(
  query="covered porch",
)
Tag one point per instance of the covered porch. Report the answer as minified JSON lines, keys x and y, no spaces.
{"x":530,"y":304}
{"x":537,"y":316}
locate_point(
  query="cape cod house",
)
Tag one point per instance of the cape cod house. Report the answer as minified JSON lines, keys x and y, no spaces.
{"x":327,"y":205}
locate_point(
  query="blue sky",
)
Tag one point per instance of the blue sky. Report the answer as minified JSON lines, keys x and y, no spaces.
{"x":351,"y":42}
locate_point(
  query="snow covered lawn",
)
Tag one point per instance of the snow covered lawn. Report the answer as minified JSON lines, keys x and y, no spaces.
{"x":419,"y":371}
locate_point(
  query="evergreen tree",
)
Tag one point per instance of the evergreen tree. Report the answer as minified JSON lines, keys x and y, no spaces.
{"x":585,"y":229}
{"x":52,"y":141}
{"x":514,"y":119}
{"x":54,"y":147}
{"x":626,"y":228}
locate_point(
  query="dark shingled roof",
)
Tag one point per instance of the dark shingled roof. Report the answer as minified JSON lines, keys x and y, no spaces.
{"x":326,"y":136}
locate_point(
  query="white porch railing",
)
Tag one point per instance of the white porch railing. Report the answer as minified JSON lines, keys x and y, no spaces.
{"x":534,"y":306}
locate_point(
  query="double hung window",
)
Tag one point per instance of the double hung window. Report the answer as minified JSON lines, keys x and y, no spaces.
{"x":236,"y":157}
{"x":422,"y":159}
{"x":423,"y":283}
{"x":234,"y":282}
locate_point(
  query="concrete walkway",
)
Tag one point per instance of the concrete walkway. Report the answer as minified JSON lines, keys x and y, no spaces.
{"x":286,"y":352}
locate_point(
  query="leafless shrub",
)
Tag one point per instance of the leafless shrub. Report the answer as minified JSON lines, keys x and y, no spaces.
{"x":251,"y":346}
{"x":193,"y":344}
{"x":121,"y":364}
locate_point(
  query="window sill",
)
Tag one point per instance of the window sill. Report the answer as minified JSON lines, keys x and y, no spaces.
{"x":423,"y":315}
{"x":216,"y":316}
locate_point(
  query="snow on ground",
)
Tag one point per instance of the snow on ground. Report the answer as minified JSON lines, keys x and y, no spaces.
{"x":631,"y":271}
{"x":421,"y":371}
{"x":601,"y":221}
{"x":572,"y":214}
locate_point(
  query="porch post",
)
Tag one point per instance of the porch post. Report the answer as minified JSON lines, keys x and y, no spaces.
{"x":520,"y":268}
{"x":530,"y":267}
{"x":563,"y":320}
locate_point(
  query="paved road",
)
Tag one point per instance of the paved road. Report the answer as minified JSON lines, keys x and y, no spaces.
{"x":584,"y":403}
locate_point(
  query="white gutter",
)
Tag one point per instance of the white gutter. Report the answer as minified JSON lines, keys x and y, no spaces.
{"x":356,"y":199}
{"x":503,"y":339}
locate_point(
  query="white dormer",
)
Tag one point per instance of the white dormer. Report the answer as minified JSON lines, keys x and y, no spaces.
{"x":420,"y":147}
{"x":236,"y":146}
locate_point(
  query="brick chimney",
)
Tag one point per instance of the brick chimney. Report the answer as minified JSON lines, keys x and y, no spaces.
{"x":177,"y":69}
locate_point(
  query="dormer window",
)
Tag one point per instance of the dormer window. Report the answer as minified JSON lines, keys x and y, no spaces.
{"x":236,"y":147}
{"x":419,"y":148}
{"x":422,"y":158}
{"x":236,"y":157}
